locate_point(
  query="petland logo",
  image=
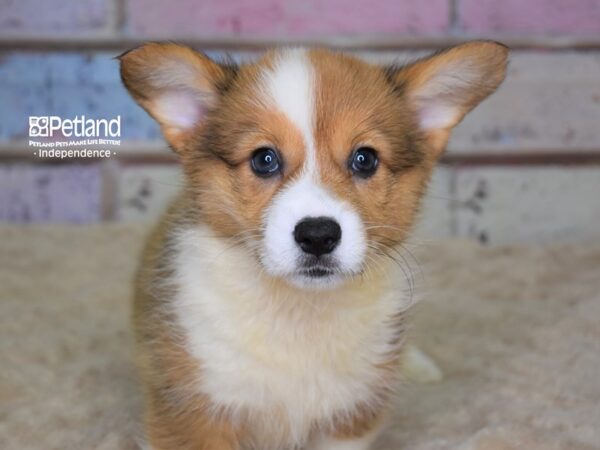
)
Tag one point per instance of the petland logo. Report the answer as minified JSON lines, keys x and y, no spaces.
{"x":59,"y":138}
{"x":47,"y":126}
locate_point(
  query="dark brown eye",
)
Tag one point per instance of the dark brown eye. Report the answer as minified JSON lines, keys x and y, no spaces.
{"x":265,"y":162}
{"x":363,"y":162}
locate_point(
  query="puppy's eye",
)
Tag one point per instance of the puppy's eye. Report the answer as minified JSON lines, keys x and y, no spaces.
{"x":265,"y":162}
{"x":363,"y":162}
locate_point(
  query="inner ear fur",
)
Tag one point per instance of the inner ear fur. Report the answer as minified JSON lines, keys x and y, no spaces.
{"x":442,"y":88}
{"x":175,"y":85}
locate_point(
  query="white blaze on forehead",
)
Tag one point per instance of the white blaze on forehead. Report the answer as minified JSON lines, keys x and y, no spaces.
{"x":291,"y":89}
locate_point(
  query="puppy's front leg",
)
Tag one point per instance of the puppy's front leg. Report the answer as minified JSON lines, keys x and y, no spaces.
{"x":348,"y":442}
{"x":189,"y":431}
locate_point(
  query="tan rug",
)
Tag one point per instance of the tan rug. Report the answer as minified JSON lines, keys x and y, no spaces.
{"x":516,"y":331}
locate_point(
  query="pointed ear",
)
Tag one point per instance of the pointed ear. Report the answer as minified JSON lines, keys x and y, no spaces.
{"x":444,"y":87}
{"x":175,"y":85}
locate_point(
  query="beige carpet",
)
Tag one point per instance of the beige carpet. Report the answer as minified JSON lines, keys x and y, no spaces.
{"x":516,"y":331}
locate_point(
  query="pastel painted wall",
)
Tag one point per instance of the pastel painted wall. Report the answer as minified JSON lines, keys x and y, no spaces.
{"x":524,"y":166}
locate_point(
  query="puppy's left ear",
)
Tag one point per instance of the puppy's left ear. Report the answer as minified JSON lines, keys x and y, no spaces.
{"x":443,"y":88}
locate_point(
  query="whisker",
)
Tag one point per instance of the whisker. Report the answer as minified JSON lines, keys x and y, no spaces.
{"x":401,"y":263}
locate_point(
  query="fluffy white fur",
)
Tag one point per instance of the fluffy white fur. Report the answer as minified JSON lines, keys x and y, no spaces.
{"x":279,"y":356}
{"x":307,"y":198}
{"x":290,"y":88}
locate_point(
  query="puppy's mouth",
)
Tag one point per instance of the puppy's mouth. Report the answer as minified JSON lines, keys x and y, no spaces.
{"x":318,"y":269}
{"x":318,"y":266}
{"x":317,"y":272}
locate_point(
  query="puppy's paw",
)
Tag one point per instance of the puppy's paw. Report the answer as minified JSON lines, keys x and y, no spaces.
{"x":419,"y":368}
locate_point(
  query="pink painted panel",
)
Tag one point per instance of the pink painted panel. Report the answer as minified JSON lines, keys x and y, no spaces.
{"x":531,"y":16}
{"x":286,"y":18}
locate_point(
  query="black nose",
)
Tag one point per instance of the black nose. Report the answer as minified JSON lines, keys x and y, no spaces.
{"x":317,"y":235}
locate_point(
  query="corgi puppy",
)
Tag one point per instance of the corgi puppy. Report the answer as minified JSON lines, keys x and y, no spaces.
{"x":269,"y":310}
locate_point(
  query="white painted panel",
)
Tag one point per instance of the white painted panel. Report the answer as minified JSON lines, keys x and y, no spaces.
{"x":146,"y":190}
{"x":512,"y":205}
{"x":435,"y":220}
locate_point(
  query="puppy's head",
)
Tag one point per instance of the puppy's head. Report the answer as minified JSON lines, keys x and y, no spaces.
{"x":313,"y":160}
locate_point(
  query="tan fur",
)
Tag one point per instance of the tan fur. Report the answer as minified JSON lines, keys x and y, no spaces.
{"x":357,"y":107}
{"x":358,"y":104}
{"x":176,"y":415}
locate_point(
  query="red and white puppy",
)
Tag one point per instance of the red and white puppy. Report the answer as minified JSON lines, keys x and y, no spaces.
{"x":269,"y":308}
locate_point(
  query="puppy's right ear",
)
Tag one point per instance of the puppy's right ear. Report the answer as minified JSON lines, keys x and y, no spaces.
{"x":175,"y":85}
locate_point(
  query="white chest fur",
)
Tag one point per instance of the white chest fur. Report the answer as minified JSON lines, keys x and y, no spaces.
{"x":278,"y":356}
